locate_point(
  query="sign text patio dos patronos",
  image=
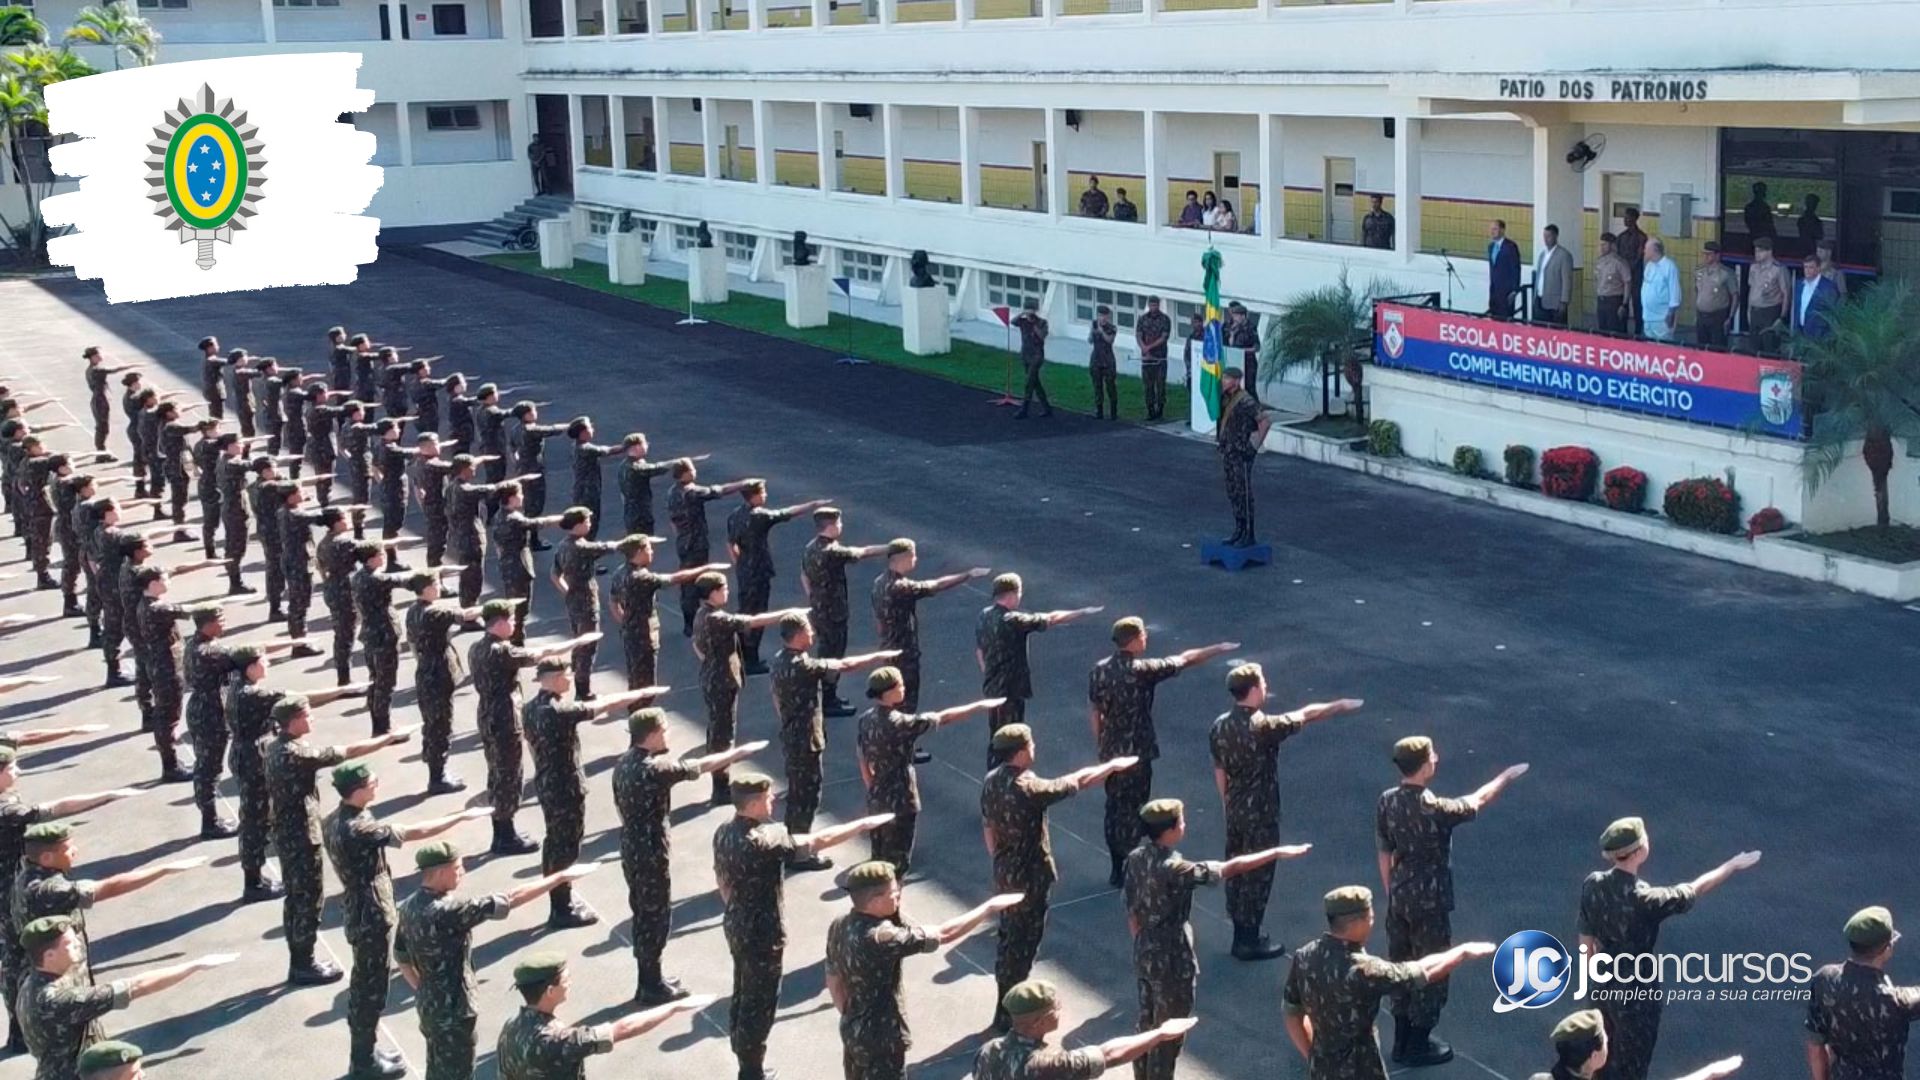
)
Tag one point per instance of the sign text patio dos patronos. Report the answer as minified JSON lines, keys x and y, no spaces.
{"x":1648,"y":377}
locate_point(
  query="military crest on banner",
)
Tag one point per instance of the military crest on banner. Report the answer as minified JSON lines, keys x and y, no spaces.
{"x":1393,"y":336}
{"x":1778,"y":388}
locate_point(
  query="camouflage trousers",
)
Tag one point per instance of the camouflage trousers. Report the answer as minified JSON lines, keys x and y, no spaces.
{"x":583,"y":617}
{"x":1632,"y":1029}
{"x":723,"y":715}
{"x":756,"y":994}
{"x":534,"y":490}
{"x":178,"y":479}
{"x":299,"y":599}
{"x":1021,"y":927}
{"x":436,"y":518}
{"x":690,"y":556}
{"x":102,"y":415}
{"x":13,"y":968}
{"x":470,"y":555}
{"x":209,"y":734}
{"x":516,"y":584}
{"x":874,"y":1050}
{"x":93,"y":604}
{"x":645,"y":864}
{"x":908,"y":664}
{"x":1247,"y":894}
{"x":560,"y":848}
{"x":643,"y":660}
{"x":372,"y":944}
{"x":345,"y":623}
{"x":255,"y":823}
{"x":383,"y":670}
{"x":830,"y":643}
{"x":893,"y":842}
{"x":276,"y":573}
{"x":142,"y":683}
{"x":40,"y":541}
{"x":502,"y":750}
{"x":803,"y":788}
{"x":233,"y":543}
{"x":1127,"y":792}
{"x":433,"y":691}
{"x":359,"y":479}
{"x":1165,"y":997}
{"x":450,"y":1047}
{"x":166,"y":721}
{"x":756,"y":591}
{"x":1410,"y":936}
{"x":300,"y":872}
{"x":209,"y":521}
{"x":70,"y":564}
{"x":112,"y":630}
{"x":1239,"y":476}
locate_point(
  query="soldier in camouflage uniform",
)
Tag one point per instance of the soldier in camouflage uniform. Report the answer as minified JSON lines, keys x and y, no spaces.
{"x":1334,"y":988}
{"x":1620,"y":913}
{"x":490,"y":433}
{"x":174,"y":462}
{"x":687,"y":510}
{"x":43,"y":886}
{"x":750,"y":856}
{"x":160,"y":637}
{"x":535,"y":1045}
{"x":530,"y":457}
{"x":202,"y":454}
{"x":108,"y":549}
{"x":232,"y":472}
{"x":1241,"y":432}
{"x":823,"y":578}
{"x":390,"y":462}
{"x":433,"y":948}
{"x":209,"y":662}
{"x":1120,"y":692}
{"x":60,"y":1015}
{"x":69,"y":491}
{"x":135,"y":552}
{"x":576,"y":574}
{"x":865,"y":948}
{"x":1000,"y":646}
{"x":551,"y":723}
{"x":97,"y":374}
{"x":291,"y":765}
{"x":887,"y":735}
{"x":587,"y":457}
{"x":373,"y":587}
{"x":643,"y":783}
{"x":466,"y":539}
{"x":267,"y":495}
{"x":1857,"y":1019}
{"x":206,"y":454}
{"x":750,"y":542}
{"x":1580,"y":1047}
{"x":797,"y":681}
{"x":1413,"y":829}
{"x":1033,"y":1013}
{"x":1159,"y":897}
{"x":249,"y":706}
{"x":357,"y":432}
{"x":1013,"y":817}
{"x":636,"y":482}
{"x":431,"y":473}
{"x":495,"y":662}
{"x":130,"y":408}
{"x":356,"y":843}
{"x":326,"y":412}
{"x":632,"y":599}
{"x":430,"y":626}
{"x":423,"y":396}
{"x":716,"y":641}
{"x":298,"y":520}
{"x":896,"y":609}
{"x":1245,"y":743}
{"x":337,"y":557}
{"x":515,"y":537}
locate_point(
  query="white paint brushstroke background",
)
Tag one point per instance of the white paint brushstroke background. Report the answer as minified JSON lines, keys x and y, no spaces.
{"x":309,"y":229}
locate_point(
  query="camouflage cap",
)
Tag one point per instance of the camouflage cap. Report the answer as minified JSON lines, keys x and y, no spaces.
{"x":351,"y":777}
{"x":900,"y":546}
{"x":245,"y":656}
{"x":883,"y":680}
{"x":1578,"y":1027}
{"x":1411,"y":753}
{"x":539,"y":970}
{"x":1244,"y":678}
{"x":1162,"y":811}
{"x":575,"y":516}
{"x":792,"y":623}
{"x":495,"y":610}
{"x":1006,"y":583}
{"x":438,"y":853}
{"x":824,"y":514}
{"x":208,"y":613}
{"x":1128,"y":630}
{"x":1624,"y":836}
{"x":578,"y":426}
{"x":644,"y":722}
{"x":103,"y":1057}
{"x":290,"y":708}
{"x":7,"y":756}
{"x":42,"y":932}
{"x":871,"y":874}
{"x":1349,"y":900}
{"x":637,"y":541}
{"x":1030,"y":998}
{"x":553,"y":665}
{"x":46,"y":832}
{"x":746,"y":785}
{"x":1870,"y":928}
{"x":709,"y":583}
{"x":1012,"y":737}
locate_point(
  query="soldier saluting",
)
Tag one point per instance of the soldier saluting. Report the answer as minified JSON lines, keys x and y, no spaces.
{"x":430,"y":626}
{"x":823,"y":578}
{"x":632,"y":598}
{"x":888,"y":733}
{"x":495,"y":662}
{"x":1000,"y":647}
{"x":717,"y":634}
{"x":687,"y":510}
{"x":575,"y":574}
{"x":1033,"y":1011}
{"x":535,"y":1045}
{"x":1414,"y":831}
{"x":1334,"y":989}
{"x":749,"y":541}
{"x":587,"y":456}
{"x":797,"y":680}
{"x":1580,"y":1052}
{"x":1858,"y":1018}
{"x":1620,"y":913}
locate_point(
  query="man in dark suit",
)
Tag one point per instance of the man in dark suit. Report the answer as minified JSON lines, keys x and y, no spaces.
{"x":1503,"y":259}
{"x":1814,"y":300}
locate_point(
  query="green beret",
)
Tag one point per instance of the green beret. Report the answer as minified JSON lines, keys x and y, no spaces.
{"x":1870,"y":928}
{"x":1623,"y":836}
{"x":902,"y":546}
{"x":552,"y":665}
{"x":1162,"y":811}
{"x":644,"y":722}
{"x":1030,"y":998}
{"x":538,"y":971}
{"x":1578,"y":1027}
{"x":7,"y":756}
{"x":870,"y":874}
{"x":47,"y":832}
{"x":574,"y":516}
{"x":748,"y":784}
{"x":1012,"y":737}
{"x":793,"y":622}
{"x":210,"y":613}
{"x":884,"y":679}
{"x":825,"y":514}
{"x":1128,"y":630}
{"x":637,"y":542}
{"x":97,"y":1059}
{"x":351,"y":777}
{"x":1349,"y":900}
{"x":289,"y":707}
{"x":1243,"y":678}
{"x":1411,"y":753}
{"x":438,"y":853}
{"x":1006,"y":583}
{"x":709,"y":583}
{"x":40,"y":933}
{"x":495,"y":610}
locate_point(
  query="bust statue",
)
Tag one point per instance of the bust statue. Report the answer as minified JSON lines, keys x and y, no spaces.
{"x":922,"y":272}
{"x":802,"y":251}
{"x":702,"y":236}
{"x":626,"y":222}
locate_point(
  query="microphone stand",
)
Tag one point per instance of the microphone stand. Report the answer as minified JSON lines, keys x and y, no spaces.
{"x":1452,"y":276}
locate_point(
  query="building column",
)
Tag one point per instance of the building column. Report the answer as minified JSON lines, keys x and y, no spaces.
{"x":895,"y":162}
{"x":823,"y":137}
{"x":576,"y":133}
{"x":656,"y":23}
{"x":269,"y":32}
{"x":756,"y":14}
{"x":764,"y":158}
{"x":570,"y":17}
{"x":662,"y":140}
{"x":1406,"y":184}
{"x":617,"y":130}
{"x":822,"y":16}
{"x":403,"y":130}
{"x":709,"y":138}
{"x":1056,"y":186}
{"x":1557,"y":189}
{"x":395,"y":24}
{"x":1273,"y":179}
{"x":1155,"y":197}
{"x":969,"y":155}
{"x":889,"y":13}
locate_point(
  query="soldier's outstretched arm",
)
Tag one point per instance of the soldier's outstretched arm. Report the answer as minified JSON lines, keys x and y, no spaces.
{"x":855,"y":663}
{"x":1439,"y":964}
{"x":122,"y":884}
{"x":152,"y":982}
{"x":1323,"y":710}
{"x":42,"y":736}
{"x":1723,"y":1067}
{"x":435,"y":826}
{"x":1128,"y":1047}
{"x":1059,"y":618}
{"x":335,"y":693}
{"x":802,"y":508}
{"x":756,"y":622}
{"x":1718,"y":876}
{"x":640,"y":1023}
{"x":80,"y":804}
{"x":1254,"y":860}
{"x":968,"y":921}
{"x":1491,"y":790}
{"x":1205,"y":653}
{"x":724,"y":758}
{"x":952,"y":581}
{"x":561,"y":648}
{"x":961,"y":712}
{"x":681,"y":577}
{"x":534,"y":890}
{"x":840,"y":834}
{"x":625,"y":698}
{"x":378,"y":742}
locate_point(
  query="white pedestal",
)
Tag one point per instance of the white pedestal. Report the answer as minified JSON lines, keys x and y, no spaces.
{"x":925,"y":328}
{"x":556,"y":243}
{"x":627,"y":258}
{"x":707,"y":275}
{"x":806,"y":296}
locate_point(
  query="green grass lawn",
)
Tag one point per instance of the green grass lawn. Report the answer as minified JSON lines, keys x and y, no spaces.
{"x":969,"y":364}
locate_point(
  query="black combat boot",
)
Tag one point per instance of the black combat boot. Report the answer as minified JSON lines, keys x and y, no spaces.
{"x":1250,"y":944}
{"x":1118,"y":876}
{"x":1423,"y":1049}
{"x":1400,"y":1028}
{"x":508,"y":840}
{"x":261,"y":890}
{"x":442,"y":782}
{"x":308,"y":971}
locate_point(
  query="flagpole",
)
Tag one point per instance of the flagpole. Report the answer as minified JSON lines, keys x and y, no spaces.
{"x":846,"y":289}
{"x":691,"y":319}
{"x":1006,"y":397}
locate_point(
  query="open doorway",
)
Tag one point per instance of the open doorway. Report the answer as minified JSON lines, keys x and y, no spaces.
{"x":552,"y":129}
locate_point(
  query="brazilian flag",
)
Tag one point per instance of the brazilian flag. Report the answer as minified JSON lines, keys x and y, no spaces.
{"x":1210,"y":351}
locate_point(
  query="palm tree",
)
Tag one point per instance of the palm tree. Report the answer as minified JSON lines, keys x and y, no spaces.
{"x":119,"y":27}
{"x":19,"y":27}
{"x":1863,"y":381}
{"x":25,"y":73}
{"x":1333,"y":322}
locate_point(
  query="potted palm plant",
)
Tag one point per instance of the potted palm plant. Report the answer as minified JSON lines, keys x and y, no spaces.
{"x":1329,"y":325}
{"x":1863,"y":385}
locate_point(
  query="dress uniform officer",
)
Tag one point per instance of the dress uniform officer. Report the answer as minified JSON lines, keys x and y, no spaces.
{"x":887,"y":734}
{"x":1580,"y":1052}
{"x":535,"y":1045}
{"x":1857,"y":1019}
{"x":1000,"y":647}
{"x":797,"y":680}
{"x":823,"y":578}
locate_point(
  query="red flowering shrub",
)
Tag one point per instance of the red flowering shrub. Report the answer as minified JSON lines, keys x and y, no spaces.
{"x":1704,"y":502}
{"x":1626,"y":489}
{"x":1569,"y":472}
{"x":1767,"y":520}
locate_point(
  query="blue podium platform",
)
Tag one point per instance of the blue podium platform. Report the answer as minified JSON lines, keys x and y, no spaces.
{"x":1227,"y":557}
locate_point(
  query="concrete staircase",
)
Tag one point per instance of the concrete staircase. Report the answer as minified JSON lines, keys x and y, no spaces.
{"x":535,"y":209}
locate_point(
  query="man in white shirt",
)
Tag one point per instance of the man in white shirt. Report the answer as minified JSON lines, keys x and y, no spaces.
{"x":1659,"y":293}
{"x":1552,"y":279}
